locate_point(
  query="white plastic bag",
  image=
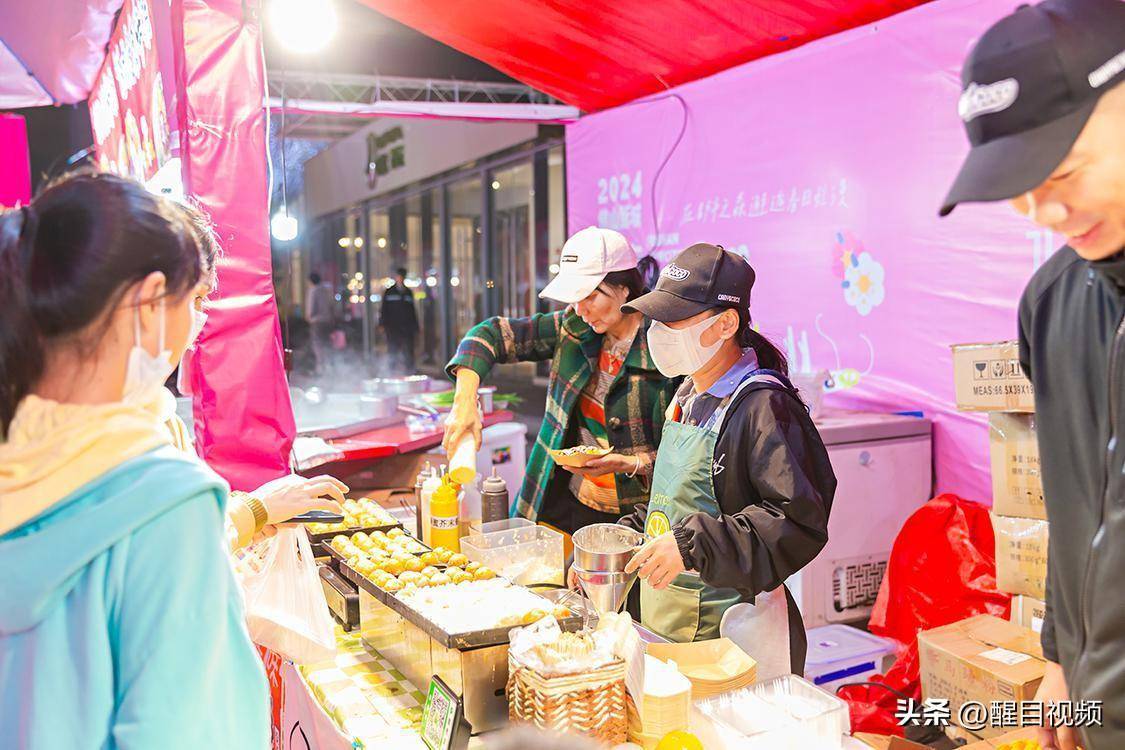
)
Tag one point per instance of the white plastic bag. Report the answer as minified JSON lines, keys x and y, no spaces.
{"x":285,"y":606}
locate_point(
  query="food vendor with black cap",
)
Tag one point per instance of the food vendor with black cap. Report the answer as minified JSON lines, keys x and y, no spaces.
{"x":742,"y":484}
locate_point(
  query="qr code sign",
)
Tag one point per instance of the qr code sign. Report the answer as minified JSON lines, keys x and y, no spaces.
{"x":439,"y":712}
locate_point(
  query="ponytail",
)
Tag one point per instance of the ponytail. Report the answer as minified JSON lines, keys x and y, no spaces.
{"x":21,"y":349}
{"x":769,"y":356}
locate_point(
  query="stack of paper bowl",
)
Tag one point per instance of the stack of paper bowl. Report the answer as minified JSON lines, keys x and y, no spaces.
{"x":665,"y":706}
{"x":713,"y":667}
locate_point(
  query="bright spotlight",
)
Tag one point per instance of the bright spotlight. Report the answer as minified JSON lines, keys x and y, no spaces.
{"x":382,"y":242}
{"x":283,"y":227}
{"x":358,"y":242}
{"x":303,"y":26}
{"x":344,"y":241}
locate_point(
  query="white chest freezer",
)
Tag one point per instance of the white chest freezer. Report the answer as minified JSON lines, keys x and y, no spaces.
{"x":883,"y":465}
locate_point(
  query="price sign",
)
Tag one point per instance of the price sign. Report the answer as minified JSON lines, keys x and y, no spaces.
{"x":443,"y":718}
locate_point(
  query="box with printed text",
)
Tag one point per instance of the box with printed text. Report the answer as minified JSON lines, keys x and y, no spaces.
{"x":1017,"y":488}
{"x":1021,"y":555}
{"x":982,"y":659}
{"x":987,"y":377}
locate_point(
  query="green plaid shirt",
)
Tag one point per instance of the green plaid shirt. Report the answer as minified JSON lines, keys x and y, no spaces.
{"x":634,"y":407}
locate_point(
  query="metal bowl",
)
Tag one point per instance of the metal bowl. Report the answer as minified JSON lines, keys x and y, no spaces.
{"x":605,"y":547}
{"x":397,"y":386}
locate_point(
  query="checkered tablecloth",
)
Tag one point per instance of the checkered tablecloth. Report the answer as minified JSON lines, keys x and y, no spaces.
{"x":370,"y":701}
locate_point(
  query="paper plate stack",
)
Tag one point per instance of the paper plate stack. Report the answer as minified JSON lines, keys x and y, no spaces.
{"x":713,"y":667}
{"x":665,"y":706}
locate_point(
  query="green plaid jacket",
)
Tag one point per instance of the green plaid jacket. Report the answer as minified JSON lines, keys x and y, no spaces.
{"x":635,"y":404}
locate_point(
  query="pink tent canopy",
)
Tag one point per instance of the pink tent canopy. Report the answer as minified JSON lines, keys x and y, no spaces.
{"x":50,"y":50}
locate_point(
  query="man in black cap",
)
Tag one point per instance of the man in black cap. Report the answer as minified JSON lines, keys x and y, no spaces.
{"x":742,"y":484}
{"x":1044,"y":107}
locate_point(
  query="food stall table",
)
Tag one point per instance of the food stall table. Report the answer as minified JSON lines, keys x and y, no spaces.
{"x":355,"y":455}
{"x":355,"y":700}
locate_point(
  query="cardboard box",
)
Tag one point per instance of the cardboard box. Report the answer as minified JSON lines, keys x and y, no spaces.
{"x":1021,"y":555}
{"x":1017,"y":488}
{"x":1028,"y":612}
{"x":1003,"y":741}
{"x":987,"y":377}
{"x":981,"y":659}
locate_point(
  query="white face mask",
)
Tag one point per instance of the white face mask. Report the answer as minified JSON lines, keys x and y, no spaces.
{"x":145,"y":373}
{"x":198,"y":320}
{"x":678,"y":351}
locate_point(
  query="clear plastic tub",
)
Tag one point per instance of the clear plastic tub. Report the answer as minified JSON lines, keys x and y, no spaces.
{"x":786,"y":713}
{"x":526,"y":555}
{"x":476,"y":527}
{"x":842,"y":655}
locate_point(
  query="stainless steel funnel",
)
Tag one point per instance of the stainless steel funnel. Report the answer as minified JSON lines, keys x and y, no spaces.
{"x":605,"y":590}
{"x":605,"y":547}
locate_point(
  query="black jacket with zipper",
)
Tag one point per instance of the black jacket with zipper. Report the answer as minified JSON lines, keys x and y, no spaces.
{"x":1072,"y":347}
{"x":774,"y":484}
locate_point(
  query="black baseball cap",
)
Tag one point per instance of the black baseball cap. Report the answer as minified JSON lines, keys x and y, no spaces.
{"x":699,"y":278}
{"x":1028,"y":87}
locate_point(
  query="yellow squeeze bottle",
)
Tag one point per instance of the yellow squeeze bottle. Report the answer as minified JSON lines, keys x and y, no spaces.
{"x":445,"y":528}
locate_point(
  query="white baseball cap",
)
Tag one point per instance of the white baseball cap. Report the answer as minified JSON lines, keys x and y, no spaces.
{"x":586,"y":259}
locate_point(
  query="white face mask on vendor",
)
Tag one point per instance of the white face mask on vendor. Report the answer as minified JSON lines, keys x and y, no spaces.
{"x":678,"y":351}
{"x":145,"y":373}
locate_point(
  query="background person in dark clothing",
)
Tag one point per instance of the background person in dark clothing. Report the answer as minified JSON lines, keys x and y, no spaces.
{"x":399,"y":322}
{"x":1044,"y":106}
{"x":319,"y":314}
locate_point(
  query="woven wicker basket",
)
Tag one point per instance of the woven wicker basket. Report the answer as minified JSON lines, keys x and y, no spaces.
{"x":590,"y":704}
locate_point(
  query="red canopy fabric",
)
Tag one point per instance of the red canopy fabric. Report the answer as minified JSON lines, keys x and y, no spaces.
{"x":597,"y":55}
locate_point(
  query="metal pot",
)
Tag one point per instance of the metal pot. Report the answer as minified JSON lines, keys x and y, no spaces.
{"x":397,"y":386}
{"x":378,"y":407}
{"x":605,"y":547}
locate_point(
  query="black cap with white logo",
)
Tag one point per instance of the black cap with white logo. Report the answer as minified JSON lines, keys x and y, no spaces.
{"x":1029,"y":86}
{"x":699,"y":278}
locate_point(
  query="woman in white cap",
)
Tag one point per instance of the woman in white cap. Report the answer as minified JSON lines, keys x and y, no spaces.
{"x":604,"y":387}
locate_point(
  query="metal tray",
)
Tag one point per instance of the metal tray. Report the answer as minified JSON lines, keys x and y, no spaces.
{"x":328,"y":535}
{"x":459,"y":641}
{"x":340,"y":564}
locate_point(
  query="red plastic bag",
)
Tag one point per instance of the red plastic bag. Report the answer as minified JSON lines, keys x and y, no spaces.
{"x":942,"y":569}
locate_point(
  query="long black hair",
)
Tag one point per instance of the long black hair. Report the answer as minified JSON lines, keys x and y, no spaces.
{"x":770,"y":357}
{"x":68,"y":257}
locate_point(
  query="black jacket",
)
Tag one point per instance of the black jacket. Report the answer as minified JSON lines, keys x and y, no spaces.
{"x":1072,"y":347}
{"x":397,"y":315}
{"x":775,"y":489}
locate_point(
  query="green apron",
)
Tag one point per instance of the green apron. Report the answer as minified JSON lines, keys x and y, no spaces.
{"x":688,"y":610}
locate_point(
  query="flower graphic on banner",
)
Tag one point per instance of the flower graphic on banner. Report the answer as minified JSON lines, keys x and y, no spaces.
{"x":862,"y":275}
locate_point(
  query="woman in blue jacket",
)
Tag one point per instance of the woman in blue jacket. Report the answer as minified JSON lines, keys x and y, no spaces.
{"x":121,"y":625}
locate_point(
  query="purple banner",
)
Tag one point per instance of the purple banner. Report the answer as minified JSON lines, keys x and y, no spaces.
{"x":825,"y":167}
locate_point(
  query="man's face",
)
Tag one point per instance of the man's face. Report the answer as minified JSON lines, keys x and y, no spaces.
{"x":1084,"y":198}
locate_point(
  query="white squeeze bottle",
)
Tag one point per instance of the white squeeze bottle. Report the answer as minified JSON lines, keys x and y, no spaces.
{"x":463,"y":462}
{"x":432,"y":483}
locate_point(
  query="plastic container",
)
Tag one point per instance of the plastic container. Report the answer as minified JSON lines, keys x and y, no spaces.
{"x":493,"y":526}
{"x":786,"y":713}
{"x":812,"y":386}
{"x":494,"y":500}
{"x":842,"y":655}
{"x":527,"y":555}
